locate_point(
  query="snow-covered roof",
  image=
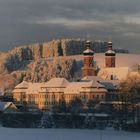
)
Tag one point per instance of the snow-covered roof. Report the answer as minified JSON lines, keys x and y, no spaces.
{"x":28,"y":88}
{"x":89,"y":78}
{"x":1,"y":92}
{"x":5,"y":105}
{"x":34,"y":88}
{"x":23,"y":84}
{"x":57,"y":82}
{"x":111,"y":84}
{"x":118,"y":73}
{"x":134,"y":73}
{"x":91,"y":86}
{"x":61,"y":85}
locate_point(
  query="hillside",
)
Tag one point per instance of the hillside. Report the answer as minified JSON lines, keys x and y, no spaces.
{"x":41,"y":62}
{"x":30,"y":62}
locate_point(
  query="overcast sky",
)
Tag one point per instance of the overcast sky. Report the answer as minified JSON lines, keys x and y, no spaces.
{"x":31,"y":21}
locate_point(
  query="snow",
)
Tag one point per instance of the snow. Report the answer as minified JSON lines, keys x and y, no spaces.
{"x":65,"y":134}
{"x":117,"y":72}
{"x":110,"y":51}
{"x":122,"y":60}
{"x":101,"y":115}
{"x":5,"y":105}
{"x":88,"y":51}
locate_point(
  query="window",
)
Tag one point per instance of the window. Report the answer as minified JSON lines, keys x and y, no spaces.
{"x":102,"y":96}
{"x":85,"y":96}
{"x":24,"y":96}
{"x":53,"y":96}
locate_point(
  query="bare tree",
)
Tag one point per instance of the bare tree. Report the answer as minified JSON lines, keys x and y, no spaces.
{"x":129,"y":95}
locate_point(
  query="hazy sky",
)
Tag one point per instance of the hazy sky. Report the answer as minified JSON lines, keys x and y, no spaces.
{"x":30,"y":21}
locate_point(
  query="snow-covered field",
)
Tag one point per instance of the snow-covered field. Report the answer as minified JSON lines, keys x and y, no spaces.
{"x":121,"y":59}
{"x":65,"y":134}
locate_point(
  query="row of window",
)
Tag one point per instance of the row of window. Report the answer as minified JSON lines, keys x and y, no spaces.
{"x":86,"y":96}
{"x":69,"y":97}
{"x":40,"y":96}
{"x":92,"y":96}
{"x":35,"y":97}
{"x":42,"y":103}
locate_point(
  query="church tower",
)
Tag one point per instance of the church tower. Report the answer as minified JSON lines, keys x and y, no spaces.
{"x":88,"y":65}
{"x":110,"y":56}
{"x":139,"y":68}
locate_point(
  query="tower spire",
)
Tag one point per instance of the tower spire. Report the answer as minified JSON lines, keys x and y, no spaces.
{"x":88,"y":44}
{"x":88,"y":66}
{"x":110,"y":55}
{"x":110,"y":44}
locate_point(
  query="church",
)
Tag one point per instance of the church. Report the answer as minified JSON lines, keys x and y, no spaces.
{"x":96,"y":83}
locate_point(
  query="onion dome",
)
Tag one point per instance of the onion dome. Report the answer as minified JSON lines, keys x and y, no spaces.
{"x":88,"y":51}
{"x":110,"y":52}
